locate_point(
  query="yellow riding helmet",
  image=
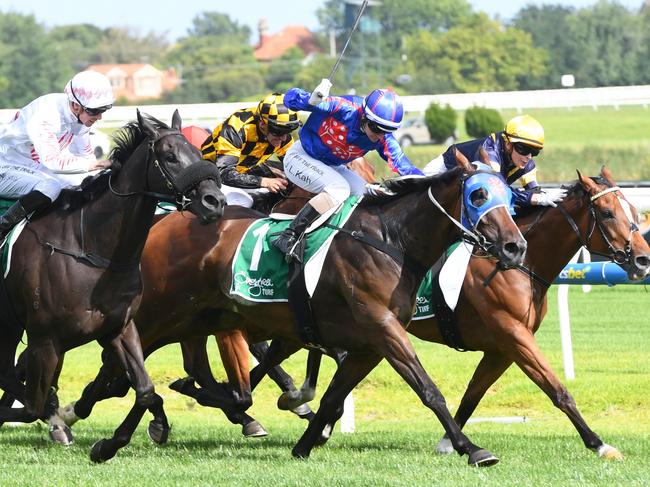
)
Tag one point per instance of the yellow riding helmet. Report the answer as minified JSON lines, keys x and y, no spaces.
{"x":526,"y":129}
{"x":279,"y":118}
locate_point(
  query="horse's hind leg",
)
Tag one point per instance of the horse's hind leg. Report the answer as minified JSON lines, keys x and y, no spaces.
{"x":285,"y":382}
{"x":489,"y":369}
{"x":527,"y":355}
{"x":211,"y":393}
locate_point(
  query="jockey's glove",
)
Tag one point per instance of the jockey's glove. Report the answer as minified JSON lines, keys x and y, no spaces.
{"x":547,"y":199}
{"x":321,"y":92}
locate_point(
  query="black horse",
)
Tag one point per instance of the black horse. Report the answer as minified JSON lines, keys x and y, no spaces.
{"x":74,"y":273}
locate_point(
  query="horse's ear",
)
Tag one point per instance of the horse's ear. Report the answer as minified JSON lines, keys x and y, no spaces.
{"x":147,"y":126}
{"x":604,"y":172}
{"x":461,"y":160}
{"x":483,"y":156}
{"x":176,"y":120}
{"x":587,"y":183}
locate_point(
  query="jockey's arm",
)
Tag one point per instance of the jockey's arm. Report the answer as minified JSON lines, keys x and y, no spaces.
{"x":227,"y":165}
{"x":42,"y":133}
{"x":390,"y":150}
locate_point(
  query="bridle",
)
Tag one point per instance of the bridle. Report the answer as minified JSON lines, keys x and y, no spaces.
{"x":620,"y":256}
{"x":178,"y":186}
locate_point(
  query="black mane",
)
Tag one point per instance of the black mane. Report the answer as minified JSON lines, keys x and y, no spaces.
{"x":400,"y":186}
{"x":128,"y":138}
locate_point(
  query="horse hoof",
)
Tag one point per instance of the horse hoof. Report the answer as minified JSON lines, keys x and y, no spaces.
{"x":300,"y":453}
{"x":183,"y":385}
{"x":608,"y":452}
{"x":289,"y":400}
{"x":253,"y":430}
{"x":96,"y":454}
{"x":482,"y":458}
{"x":444,"y":446}
{"x":61,"y":435}
{"x":303,"y":411}
{"x":67,"y":414}
{"x":158,"y":433}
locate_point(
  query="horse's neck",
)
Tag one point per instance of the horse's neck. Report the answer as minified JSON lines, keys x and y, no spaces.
{"x":117,"y":226}
{"x":421,"y":228}
{"x":553,"y":242}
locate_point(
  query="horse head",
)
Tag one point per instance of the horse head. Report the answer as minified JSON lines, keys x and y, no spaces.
{"x":613,"y":229}
{"x":486,"y":212}
{"x":180,"y":173}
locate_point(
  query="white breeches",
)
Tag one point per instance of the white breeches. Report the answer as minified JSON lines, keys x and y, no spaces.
{"x":18,"y":180}
{"x":241,"y":196}
{"x":317,"y":177}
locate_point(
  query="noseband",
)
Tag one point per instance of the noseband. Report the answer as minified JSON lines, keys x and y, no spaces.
{"x":184,"y":182}
{"x":620,"y":256}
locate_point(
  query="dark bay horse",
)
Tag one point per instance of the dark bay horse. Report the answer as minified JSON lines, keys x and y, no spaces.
{"x":362,"y":308}
{"x":501,"y":317}
{"x":75,"y":275}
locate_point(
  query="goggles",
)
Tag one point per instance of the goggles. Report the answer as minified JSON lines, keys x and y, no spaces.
{"x":378,"y":129}
{"x":279,"y":131}
{"x":525,"y":150}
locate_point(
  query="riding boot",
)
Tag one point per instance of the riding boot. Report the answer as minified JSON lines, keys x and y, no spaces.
{"x":32,"y":201}
{"x":286,"y":241}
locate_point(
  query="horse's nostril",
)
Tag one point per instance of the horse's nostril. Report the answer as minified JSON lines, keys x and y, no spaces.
{"x":642,"y":261}
{"x":212,"y":201}
{"x":515,"y":248}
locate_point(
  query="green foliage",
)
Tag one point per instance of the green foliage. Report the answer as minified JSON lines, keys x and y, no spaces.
{"x":481,"y":122}
{"x":216,"y":24}
{"x":441,"y":121}
{"x":123,"y":45}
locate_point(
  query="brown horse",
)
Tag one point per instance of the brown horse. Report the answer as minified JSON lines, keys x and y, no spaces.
{"x":187,"y":270}
{"x":499,"y":313}
{"x":75,"y":270}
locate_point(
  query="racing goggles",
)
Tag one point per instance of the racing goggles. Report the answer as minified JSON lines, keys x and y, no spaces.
{"x":525,"y":150}
{"x":93,"y":112}
{"x":378,"y":129}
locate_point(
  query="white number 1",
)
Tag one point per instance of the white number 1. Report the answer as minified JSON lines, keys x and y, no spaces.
{"x":260,"y":233}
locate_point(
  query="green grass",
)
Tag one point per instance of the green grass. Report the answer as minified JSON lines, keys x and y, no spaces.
{"x":581,"y":138}
{"x":396,"y":436}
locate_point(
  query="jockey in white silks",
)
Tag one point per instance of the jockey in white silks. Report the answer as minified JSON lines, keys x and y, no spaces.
{"x":46,"y":147}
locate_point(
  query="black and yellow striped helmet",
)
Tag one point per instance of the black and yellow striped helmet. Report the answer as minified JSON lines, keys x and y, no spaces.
{"x":278,"y":117}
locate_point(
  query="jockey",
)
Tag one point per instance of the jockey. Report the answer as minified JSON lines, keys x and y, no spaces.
{"x":511,"y":153}
{"x":339,"y":129}
{"x":46,"y":147}
{"x":242,"y":145}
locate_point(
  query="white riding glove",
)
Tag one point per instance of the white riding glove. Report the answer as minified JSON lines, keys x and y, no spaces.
{"x":321,"y":92}
{"x":548,"y":199}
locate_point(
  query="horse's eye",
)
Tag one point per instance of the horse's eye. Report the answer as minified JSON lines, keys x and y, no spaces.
{"x":607,"y":214}
{"x":170,"y":157}
{"x":478,"y":197}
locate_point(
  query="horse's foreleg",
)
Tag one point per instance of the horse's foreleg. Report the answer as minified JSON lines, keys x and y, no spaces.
{"x":528,"y":356}
{"x":401,"y":355}
{"x":105,"y":449}
{"x":352,"y":370}
{"x":129,"y":351}
{"x":489,"y":369}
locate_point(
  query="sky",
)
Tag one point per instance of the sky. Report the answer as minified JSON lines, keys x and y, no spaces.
{"x":174,"y":17}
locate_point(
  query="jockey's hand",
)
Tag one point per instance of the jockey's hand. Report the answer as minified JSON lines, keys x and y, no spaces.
{"x":321,"y":92}
{"x":101,"y":164}
{"x":547,"y":199}
{"x":274,"y":185}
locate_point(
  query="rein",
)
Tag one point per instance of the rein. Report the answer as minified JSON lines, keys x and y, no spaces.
{"x":620,"y":256}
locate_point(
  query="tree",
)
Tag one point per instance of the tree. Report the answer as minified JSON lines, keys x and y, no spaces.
{"x":548,"y":26}
{"x":605,"y":42}
{"x":479,"y":55}
{"x":216,"y":24}
{"x":30,"y":66}
{"x":124,"y":45}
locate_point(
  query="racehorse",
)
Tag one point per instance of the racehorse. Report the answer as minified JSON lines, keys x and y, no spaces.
{"x":187,"y":275}
{"x":498,"y":312}
{"x":74,"y":272}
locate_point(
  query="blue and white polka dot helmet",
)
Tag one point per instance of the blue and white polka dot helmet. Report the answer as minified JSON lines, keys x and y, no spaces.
{"x":384,"y":108}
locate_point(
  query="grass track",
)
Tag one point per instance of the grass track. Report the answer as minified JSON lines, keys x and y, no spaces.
{"x":395,"y":435}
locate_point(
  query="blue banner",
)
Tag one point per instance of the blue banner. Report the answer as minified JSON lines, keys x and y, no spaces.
{"x":596,"y":273}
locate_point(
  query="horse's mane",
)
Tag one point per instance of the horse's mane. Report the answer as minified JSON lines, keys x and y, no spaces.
{"x":127,"y":139}
{"x":400,"y":186}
